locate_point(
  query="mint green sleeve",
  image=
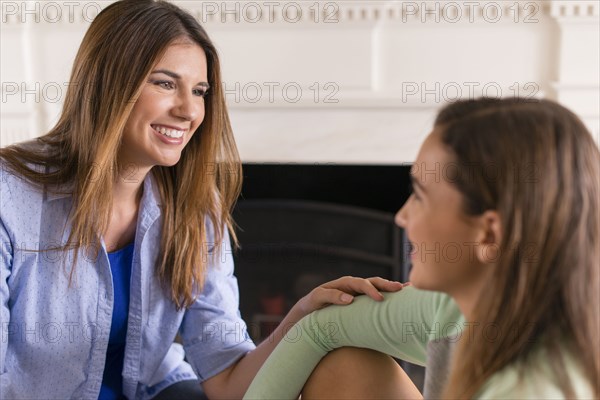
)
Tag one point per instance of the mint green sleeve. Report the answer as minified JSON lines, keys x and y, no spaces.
{"x":400,"y":326}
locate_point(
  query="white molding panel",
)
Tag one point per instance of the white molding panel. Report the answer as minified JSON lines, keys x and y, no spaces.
{"x":333,"y":81}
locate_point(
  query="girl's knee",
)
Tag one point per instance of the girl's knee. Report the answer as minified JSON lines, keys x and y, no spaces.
{"x":355,"y":373}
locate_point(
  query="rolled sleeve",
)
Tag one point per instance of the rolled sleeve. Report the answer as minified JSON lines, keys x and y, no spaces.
{"x":5,"y":271}
{"x":182,"y":372}
{"x":213,"y":332}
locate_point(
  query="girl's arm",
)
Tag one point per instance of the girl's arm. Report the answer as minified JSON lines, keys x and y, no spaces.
{"x":400,"y":326}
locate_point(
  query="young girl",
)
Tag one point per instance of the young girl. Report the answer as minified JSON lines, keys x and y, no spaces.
{"x":504,"y":223}
{"x":114,"y":227}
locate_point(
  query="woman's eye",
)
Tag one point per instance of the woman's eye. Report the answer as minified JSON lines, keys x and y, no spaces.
{"x":199,"y":92}
{"x":165,"y":84}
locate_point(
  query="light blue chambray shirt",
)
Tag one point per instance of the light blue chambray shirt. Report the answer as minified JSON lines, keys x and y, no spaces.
{"x":54,"y":338}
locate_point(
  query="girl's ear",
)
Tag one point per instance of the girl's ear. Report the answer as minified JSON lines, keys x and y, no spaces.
{"x":490,"y":237}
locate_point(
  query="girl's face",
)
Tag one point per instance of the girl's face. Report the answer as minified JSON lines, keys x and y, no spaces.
{"x":446,"y":242}
{"x":169,"y":109}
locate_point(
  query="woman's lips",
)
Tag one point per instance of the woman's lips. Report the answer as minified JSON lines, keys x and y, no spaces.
{"x":167,"y":139}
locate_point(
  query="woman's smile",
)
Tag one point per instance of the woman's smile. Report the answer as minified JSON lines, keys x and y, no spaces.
{"x":169,"y":131}
{"x":166,"y":136}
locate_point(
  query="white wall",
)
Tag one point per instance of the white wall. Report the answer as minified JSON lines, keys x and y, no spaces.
{"x":337,"y":81}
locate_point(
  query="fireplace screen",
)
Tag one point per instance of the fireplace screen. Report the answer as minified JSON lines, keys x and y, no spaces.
{"x":301,"y":225}
{"x":288,"y":247}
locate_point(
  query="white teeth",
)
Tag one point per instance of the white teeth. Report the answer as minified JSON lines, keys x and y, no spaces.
{"x":168,"y":132}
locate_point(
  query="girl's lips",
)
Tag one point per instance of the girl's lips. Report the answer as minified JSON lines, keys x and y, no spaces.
{"x":411,"y":250}
{"x":166,"y":139}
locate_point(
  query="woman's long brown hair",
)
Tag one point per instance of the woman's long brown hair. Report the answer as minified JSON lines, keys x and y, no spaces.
{"x":538,"y":166}
{"x":115,"y":58}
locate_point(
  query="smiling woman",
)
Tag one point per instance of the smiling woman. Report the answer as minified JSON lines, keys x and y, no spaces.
{"x":115,"y":227}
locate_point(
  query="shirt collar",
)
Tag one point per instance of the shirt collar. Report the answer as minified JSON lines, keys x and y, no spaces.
{"x":58,"y":192}
{"x":150,"y":197}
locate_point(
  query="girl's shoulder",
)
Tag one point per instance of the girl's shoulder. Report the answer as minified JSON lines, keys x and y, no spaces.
{"x":536,"y":380}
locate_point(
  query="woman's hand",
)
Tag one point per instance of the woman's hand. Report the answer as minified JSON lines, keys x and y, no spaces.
{"x":342,"y":291}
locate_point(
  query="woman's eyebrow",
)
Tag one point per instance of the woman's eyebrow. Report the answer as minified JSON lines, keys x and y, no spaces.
{"x":415,"y":182}
{"x":175,"y":75}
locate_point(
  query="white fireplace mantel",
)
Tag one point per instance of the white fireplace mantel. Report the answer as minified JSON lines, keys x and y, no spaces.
{"x":333,"y":81}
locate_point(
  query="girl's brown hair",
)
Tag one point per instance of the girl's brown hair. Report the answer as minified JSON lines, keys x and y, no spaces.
{"x":116,"y":56}
{"x":537,"y":165}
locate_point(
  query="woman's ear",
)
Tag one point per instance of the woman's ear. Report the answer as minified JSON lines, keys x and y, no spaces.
{"x":490,"y":237}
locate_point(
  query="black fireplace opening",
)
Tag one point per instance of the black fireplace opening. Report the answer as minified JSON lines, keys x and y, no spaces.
{"x":301,"y":225}
{"x":377,"y":187}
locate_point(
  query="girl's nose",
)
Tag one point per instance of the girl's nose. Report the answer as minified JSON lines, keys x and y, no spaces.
{"x":400,"y":217}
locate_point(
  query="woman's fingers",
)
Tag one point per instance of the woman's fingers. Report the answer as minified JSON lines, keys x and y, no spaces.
{"x":371,"y":286}
{"x":386,"y":285}
{"x":342,"y":291}
{"x":325,"y":296}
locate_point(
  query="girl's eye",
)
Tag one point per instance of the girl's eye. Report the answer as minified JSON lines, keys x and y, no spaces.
{"x":412,"y":192}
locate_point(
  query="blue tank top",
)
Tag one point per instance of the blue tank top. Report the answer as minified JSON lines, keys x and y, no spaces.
{"x":120,"y":268}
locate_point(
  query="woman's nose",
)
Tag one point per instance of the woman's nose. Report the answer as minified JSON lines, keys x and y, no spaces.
{"x":188,"y":107}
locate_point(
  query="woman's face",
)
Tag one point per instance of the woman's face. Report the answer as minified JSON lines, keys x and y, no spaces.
{"x":169,"y":109}
{"x":444,"y":239}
